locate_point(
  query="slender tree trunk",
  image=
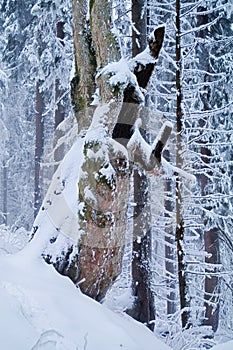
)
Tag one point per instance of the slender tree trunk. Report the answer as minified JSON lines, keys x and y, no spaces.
{"x":139,"y":19}
{"x":4,"y":184}
{"x":212,"y":259}
{"x":39,"y":147}
{"x":179,"y":164}
{"x":212,"y":289}
{"x":169,"y":250}
{"x":143,"y":308}
{"x":211,"y":239}
{"x":59,"y":111}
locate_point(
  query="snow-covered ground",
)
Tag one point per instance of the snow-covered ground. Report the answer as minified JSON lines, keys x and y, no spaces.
{"x":41,"y":309}
{"x":224,"y":346}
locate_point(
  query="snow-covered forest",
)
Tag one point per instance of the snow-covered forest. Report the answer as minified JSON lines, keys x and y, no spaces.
{"x":116,"y":179}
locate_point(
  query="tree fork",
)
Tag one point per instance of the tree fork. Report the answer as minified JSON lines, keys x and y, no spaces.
{"x":99,"y":266}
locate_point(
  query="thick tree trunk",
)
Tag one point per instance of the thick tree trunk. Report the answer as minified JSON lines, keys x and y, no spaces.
{"x":99,"y":264}
{"x":97,"y":260}
{"x":102,"y":245}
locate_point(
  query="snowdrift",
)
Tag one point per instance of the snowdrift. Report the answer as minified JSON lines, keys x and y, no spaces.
{"x":41,"y":309}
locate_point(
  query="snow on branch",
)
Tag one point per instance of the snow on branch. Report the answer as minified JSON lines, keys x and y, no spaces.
{"x":149,"y":156}
{"x":136,"y":71}
{"x":121,"y":76}
{"x":171,"y":169}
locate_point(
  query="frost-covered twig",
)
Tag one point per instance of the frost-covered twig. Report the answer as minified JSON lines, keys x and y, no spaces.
{"x":171,"y":169}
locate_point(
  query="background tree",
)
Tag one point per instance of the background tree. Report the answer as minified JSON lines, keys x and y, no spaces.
{"x":143,"y":308}
{"x":15,"y":17}
{"x":201,"y":74}
{"x":32,"y":64}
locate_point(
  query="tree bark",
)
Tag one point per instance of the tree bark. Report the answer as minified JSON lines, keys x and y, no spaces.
{"x":170,"y":254}
{"x":5,"y":188}
{"x":139,"y":19}
{"x":179,"y":163}
{"x":83,"y":84}
{"x":39,"y":147}
{"x":101,"y":250}
{"x":143,"y":307}
{"x":97,"y":260}
{"x":211,"y":236}
{"x":59,"y":111}
{"x":212,"y":289}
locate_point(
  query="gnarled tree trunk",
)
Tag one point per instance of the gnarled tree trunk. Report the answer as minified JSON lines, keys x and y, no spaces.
{"x":95,"y":260}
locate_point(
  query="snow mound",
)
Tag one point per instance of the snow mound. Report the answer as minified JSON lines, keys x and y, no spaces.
{"x":44,"y":310}
{"x":225,"y":346}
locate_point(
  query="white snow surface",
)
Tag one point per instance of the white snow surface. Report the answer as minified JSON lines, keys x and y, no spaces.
{"x":225,"y":346}
{"x":121,"y":75}
{"x":60,"y":205}
{"x":41,"y":309}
